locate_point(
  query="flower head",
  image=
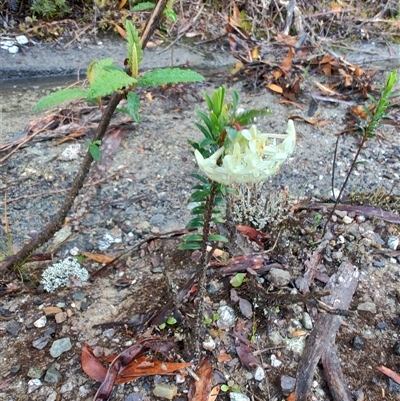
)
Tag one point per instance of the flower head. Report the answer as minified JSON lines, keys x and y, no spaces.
{"x":252,"y":157}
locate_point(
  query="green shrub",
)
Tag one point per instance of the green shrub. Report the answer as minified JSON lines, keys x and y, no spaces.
{"x":49,"y":9}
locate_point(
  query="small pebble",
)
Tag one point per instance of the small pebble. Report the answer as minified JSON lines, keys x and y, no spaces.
{"x":381,"y":326}
{"x":287,"y":384}
{"x":209,"y":344}
{"x":226,"y":316}
{"x":13,"y":328}
{"x":396,"y":348}
{"x":60,"y":346}
{"x":347,"y":220}
{"x":259,"y":373}
{"x":33,"y":385}
{"x":40,"y":322}
{"x":393,"y":242}
{"x":238,"y":397}
{"x":275,"y":362}
{"x":35,"y":372}
{"x":358,"y":343}
{"x":393,"y":387}
{"x":367,"y":307}
{"x":306,"y":321}
{"x":165,"y":390}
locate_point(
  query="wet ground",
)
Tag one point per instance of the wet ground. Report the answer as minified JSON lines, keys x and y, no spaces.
{"x":145,"y":196}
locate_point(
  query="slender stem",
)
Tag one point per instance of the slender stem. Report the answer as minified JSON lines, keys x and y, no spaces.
{"x":363,"y":140}
{"x":207,"y":220}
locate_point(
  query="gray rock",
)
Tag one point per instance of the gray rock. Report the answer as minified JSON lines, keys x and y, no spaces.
{"x":396,"y":348}
{"x":358,"y":343}
{"x":35,"y":372}
{"x":275,"y":338}
{"x":134,"y":397}
{"x":157,"y":219}
{"x":226,"y":316}
{"x":67,"y":387}
{"x":259,"y":373}
{"x":306,"y":321}
{"x":79,"y":296}
{"x":41,"y":342}
{"x":33,"y":385}
{"x":367,"y":307}
{"x":13,"y":328}
{"x":393,"y":387}
{"x":279,"y":277}
{"x":60,"y":346}
{"x":52,"y":375}
{"x":245,"y":308}
{"x":287,"y":384}
{"x":238,"y":397}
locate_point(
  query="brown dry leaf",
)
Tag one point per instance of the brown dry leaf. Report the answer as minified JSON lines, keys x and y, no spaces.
{"x":291,"y":397}
{"x":149,"y":97}
{"x":299,"y":333}
{"x":327,"y":91}
{"x":224,"y":358}
{"x":121,"y":31}
{"x":201,"y":390}
{"x":286,"y":39}
{"x":275,"y":88}
{"x":91,"y":365}
{"x":143,"y":366}
{"x":121,"y":4}
{"x":286,"y":101}
{"x":287,"y":61}
{"x":360,"y":111}
{"x":98,"y":257}
{"x":253,"y":234}
{"x":277,"y":74}
{"x":312,"y":121}
{"x":237,"y":67}
{"x":389,"y":373}
{"x":255,"y":54}
{"x":327,"y":69}
{"x":236,"y":15}
{"x":214,"y":393}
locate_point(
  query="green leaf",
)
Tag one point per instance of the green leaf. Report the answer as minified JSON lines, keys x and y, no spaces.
{"x":135,"y":53}
{"x":217,"y":237}
{"x":247,"y":117}
{"x":95,"y":152}
{"x":143,"y":6}
{"x":171,"y":320}
{"x":200,"y":177}
{"x":199,"y":196}
{"x":206,"y":120}
{"x":192,"y":238}
{"x":197,"y":222}
{"x":224,"y":388}
{"x":190,"y":246}
{"x":207,"y":141}
{"x":62,"y":96}
{"x":133,"y":106}
{"x":160,"y":76}
{"x":203,"y":129}
{"x":218,"y":220}
{"x":109,"y":80}
{"x":170,"y":14}
{"x":198,"y":210}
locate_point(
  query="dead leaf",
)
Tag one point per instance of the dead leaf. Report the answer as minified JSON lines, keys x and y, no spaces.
{"x":224,"y":358}
{"x":253,"y":234}
{"x":275,"y":88}
{"x":149,"y":97}
{"x":121,"y":31}
{"x":121,"y":4}
{"x":91,"y":365}
{"x":287,"y":61}
{"x":214,"y":393}
{"x":98,"y":257}
{"x":201,"y":390}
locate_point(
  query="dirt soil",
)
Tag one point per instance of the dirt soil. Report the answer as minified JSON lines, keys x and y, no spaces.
{"x":142,"y":205}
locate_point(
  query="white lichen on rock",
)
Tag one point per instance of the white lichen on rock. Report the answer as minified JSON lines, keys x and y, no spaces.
{"x":59,"y":274}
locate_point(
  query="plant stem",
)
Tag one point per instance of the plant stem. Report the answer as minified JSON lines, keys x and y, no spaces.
{"x":207,"y":220}
{"x":363,"y":140}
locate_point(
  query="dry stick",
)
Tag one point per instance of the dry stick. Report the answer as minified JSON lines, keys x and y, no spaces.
{"x":57,"y":223}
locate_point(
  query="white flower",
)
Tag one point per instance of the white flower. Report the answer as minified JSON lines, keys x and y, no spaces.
{"x":59,"y":274}
{"x":253,"y":157}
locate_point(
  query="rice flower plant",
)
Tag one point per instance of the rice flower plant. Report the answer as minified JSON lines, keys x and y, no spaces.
{"x":250,"y":157}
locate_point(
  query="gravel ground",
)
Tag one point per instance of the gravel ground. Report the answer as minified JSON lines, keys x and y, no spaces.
{"x":146,"y":195}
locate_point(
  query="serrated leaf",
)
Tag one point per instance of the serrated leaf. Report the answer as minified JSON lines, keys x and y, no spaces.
{"x":62,"y":96}
{"x":160,"y":76}
{"x":134,"y":47}
{"x":217,"y":237}
{"x":192,"y":238}
{"x":143,"y":6}
{"x":197,"y":222}
{"x":190,"y":246}
{"x":108,"y":80}
{"x":199,"y":196}
{"x":133,"y":106}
